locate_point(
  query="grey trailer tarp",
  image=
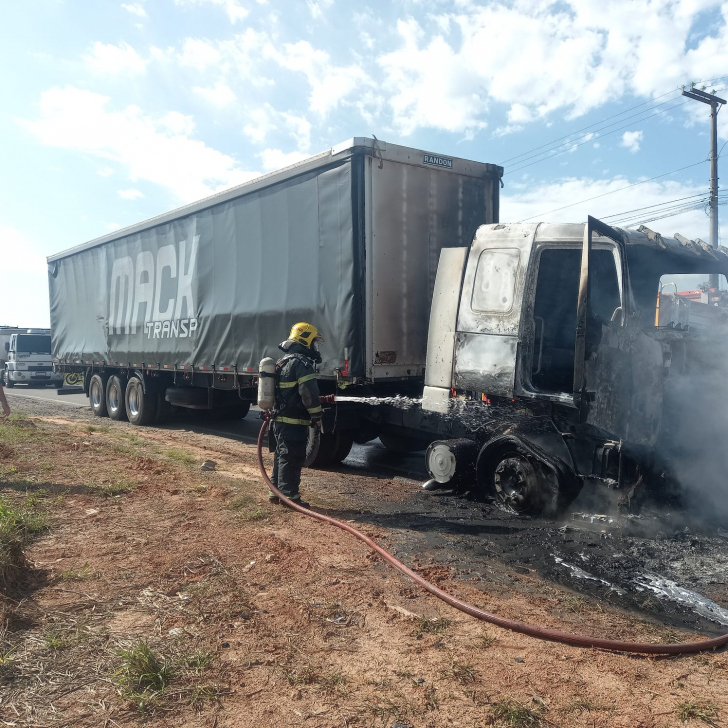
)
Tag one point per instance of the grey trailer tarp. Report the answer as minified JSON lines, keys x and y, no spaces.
{"x":220,"y":286}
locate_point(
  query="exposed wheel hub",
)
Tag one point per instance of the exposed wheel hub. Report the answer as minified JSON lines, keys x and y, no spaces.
{"x":516,"y":482}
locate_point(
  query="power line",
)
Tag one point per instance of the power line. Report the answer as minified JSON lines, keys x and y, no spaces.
{"x":621,"y":113}
{"x":576,"y":146}
{"x":596,"y":123}
{"x":611,"y":192}
{"x":659,"y":204}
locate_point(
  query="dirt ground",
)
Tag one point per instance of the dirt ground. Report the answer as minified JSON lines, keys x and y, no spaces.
{"x":259,"y":616}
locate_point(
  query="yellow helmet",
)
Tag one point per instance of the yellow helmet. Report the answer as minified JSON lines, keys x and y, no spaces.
{"x":303,"y":333}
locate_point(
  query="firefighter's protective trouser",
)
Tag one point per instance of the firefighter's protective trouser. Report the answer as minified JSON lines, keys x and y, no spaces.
{"x":289,"y":458}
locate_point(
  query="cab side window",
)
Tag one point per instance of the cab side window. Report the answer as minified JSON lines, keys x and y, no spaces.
{"x":495,"y":281}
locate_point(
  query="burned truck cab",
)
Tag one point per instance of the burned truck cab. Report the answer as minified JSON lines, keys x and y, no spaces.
{"x":554,"y":359}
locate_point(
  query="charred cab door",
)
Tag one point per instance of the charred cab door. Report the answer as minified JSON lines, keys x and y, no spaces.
{"x":617,"y":368}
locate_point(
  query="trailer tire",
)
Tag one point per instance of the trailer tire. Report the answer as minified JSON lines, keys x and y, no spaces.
{"x":327,"y":448}
{"x":141,"y":406}
{"x":97,"y":395}
{"x":342,"y":447}
{"x":115,"y":397}
{"x":520,"y":481}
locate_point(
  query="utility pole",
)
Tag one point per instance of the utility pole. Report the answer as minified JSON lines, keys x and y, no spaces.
{"x":715,"y":103}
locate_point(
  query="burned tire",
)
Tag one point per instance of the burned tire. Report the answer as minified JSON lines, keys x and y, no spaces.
{"x":402,"y":444}
{"x":342,"y":446}
{"x":97,"y":395}
{"x":326,"y":448}
{"x":115,"y":391}
{"x":520,"y":481}
{"x":315,"y":454}
{"x":141,"y":406}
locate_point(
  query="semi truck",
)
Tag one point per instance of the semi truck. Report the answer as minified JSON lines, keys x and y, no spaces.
{"x":25,"y":358}
{"x":526,"y":358}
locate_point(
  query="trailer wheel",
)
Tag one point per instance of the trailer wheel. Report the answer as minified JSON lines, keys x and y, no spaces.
{"x":115,"y":389}
{"x":342,"y":446}
{"x":326,"y":448}
{"x":519,"y":481}
{"x":141,"y":406}
{"x":97,"y":395}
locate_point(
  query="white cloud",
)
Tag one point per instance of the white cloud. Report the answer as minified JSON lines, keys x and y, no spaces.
{"x":299,"y":128}
{"x":330,"y":84}
{"x":276,"y":159}
{"x":160,"y":150}
{"x":317,"y":8}
{"x":539,"y":56}
{"x":631,"y":140}
{"x":431,"y":86}
{"x":135,"y":9}
{"x":105,"y":172}
{"x":218,"y":95}
{"x":111,"y":59}
{"x":262,"y":123}
{"x":199,"y":54}
{"x":239,"y":61}
{"x":131,"y":194}
{"x":235,"y":11}
{"x":111,"y":226}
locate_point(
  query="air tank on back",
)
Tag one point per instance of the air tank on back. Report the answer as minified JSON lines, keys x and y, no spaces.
{"x":267,"y":383}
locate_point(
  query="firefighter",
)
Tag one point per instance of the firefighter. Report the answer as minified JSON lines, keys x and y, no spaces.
{"x":297,"y":408}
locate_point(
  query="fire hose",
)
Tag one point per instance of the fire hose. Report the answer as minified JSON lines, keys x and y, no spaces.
{"x":541,"y":633}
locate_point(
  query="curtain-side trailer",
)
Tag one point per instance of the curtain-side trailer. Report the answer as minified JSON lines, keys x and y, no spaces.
{"x":179,"y":309}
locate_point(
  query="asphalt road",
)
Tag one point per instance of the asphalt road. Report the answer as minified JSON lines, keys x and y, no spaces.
{"x":71,"y":395}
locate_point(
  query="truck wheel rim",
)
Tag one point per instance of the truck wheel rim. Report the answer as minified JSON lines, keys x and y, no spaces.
{"x":113,"y":398}
{"x":515,"y":482}
{"x":95,"y":395}
{"x":133,"y":400}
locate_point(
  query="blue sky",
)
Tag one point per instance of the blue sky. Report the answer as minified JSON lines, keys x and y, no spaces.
{"x":112,"y":112}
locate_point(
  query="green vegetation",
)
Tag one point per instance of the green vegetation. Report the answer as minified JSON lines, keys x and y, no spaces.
{"x":85,"y":572}
{"x":97,"y":428}
{"x":462,"y":672}
{"x":17,"y":429}
{"x":513,"y":714}
{"x":111,"y":490}
{"x":143,"y":676}
{"x":180,"y":456}
{"x":436,"y":625}
{"x":19,"y":523}
{"x":246,"y":508}
{"x":699,"y":709}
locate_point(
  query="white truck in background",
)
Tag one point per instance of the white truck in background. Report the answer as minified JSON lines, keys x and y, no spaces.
{"x":25,"y":357}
